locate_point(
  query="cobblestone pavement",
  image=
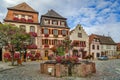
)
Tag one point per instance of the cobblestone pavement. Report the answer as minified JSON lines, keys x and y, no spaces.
{"x":106,"y":70}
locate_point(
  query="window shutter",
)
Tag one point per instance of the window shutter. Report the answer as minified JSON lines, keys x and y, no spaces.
{"x":43,"y":41}
{"x":42,"y":31}
{"x":67,"y":32}
{"x":59,"y":32}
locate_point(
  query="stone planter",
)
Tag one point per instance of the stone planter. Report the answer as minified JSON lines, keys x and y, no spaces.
{"x":61,"y":70}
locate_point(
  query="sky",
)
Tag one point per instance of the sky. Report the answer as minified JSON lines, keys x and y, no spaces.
{"x":100,"y":17}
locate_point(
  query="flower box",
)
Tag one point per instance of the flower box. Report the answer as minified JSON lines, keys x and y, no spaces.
{"x":15,"y":19}
{"x":23,"y":19}
{"x":32,"y":46}
{"x":33,"y":34}
{"x":46,"y":35}
{"x":46,"y":45}
{"x":29,"y":20}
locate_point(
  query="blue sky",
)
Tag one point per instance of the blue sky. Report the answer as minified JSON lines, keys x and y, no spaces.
{"x":96,"y":16}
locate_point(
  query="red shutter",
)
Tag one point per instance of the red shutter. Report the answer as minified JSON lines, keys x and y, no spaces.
{"x":43,"y":41}
{"x":49,"y":42}
{"x":59,"y":32}
{"x":52,"y":31}
{"x":67,"y":32}
{"x":42,"y":31}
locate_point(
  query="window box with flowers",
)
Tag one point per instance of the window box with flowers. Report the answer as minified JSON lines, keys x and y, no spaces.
{"x":23,"y":19}
{"x":32,"y":46}
{"x":33,"y":34}
{"x":55,"y":36}
{"x":29,"y":20}
{"x":46,"y":45}
{"x":16,"y":19}
{"x":46,"y":35}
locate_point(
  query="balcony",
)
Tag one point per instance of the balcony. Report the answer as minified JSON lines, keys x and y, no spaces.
{"x":32,"y":46}
{"x":33,"y":34}
{"x":46,"y":35}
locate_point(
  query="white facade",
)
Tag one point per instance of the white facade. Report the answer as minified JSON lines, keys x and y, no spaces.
{"x":96,"y":51}
{"x":83,"y":37}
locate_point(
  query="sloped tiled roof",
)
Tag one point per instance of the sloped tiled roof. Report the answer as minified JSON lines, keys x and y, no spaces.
{"x":52,"y":13}
{"x":23,"y":7}
{"x":105,"y":40}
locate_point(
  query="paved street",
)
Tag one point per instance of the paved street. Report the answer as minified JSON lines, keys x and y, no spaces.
{"x":106,"y":70}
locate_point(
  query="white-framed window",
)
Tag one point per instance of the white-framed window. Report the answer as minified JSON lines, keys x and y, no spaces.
{"x":16,"y":15}
{"x":54,"y":22}
{"x":55,"y":32}
{"x":45,"y":31}
{"x":32,"y":40}
{"x":30,"y":17}
{"x":62,"y":23}
{"x":23,"y":27}
{"x":22,"y":16}
{"x":80,"y":35}
{"x":32,"y":28}
{"x":46,"y":21}
{"x":64,"y":32}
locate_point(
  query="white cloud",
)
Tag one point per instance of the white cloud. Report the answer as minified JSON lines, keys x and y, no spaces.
{"x":94,"y":15}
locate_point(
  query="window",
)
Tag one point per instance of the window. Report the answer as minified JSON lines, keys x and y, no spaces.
{"x":46,"y":41}
{"x":30,"y":17}
{"x":22,"y":16}
{"x":93,"y":46}
{"x":97,"y":47}
{"x":80,"y":35}
{"x":63,"y":23}
{"x":45,"y":31}
{"x":79,"y":28}
{"x":32,"y":29}
{"x":23,"y":27}
{"x":32,"y":40}
{"x":54,"y":22}
{"x":63,"y":32}
{"x":16,"y":15}
{"x":55,"y":32}
{"x":55,"y":42}
{"x":46,"y":21}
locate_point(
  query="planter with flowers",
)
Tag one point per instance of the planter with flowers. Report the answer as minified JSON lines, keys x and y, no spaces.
{"x":30,"y":57}
{"x":37,"y":56}
{"x":32,"y":46}
{"x":7,"y":57}
{"x":34,"y":34}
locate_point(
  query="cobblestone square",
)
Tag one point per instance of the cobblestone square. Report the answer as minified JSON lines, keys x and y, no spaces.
{"x":106,"y":70}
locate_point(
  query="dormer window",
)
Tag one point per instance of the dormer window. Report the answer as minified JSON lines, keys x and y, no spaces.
{"x":23,"y":16}
{"x":16,"y":15}
{"x":62,"y":23}
{"x":46,"y":21}
{"x":30,"y":17}
{"x":54,"y":22}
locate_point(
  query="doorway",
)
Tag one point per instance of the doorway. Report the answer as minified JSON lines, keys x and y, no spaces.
{"x":0,"y":54}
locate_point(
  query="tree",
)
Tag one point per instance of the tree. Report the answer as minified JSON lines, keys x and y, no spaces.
{"x":67,"y":44}
{"x":13,"y":37}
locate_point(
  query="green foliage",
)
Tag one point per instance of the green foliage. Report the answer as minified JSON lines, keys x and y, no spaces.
{"x":13,"y":35}
{"x":60,"y":51}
